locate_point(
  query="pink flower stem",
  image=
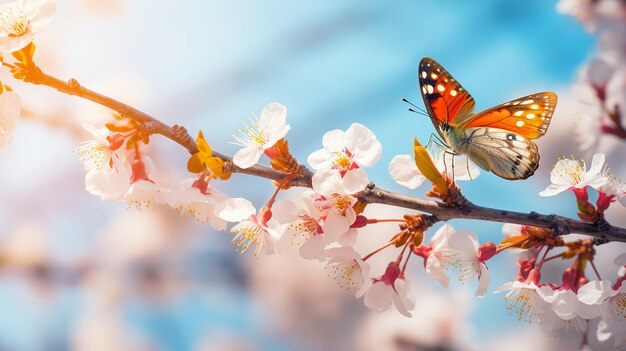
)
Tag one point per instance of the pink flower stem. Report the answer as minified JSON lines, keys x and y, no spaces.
{"x":399,"y":259}
{"x":377,"y":251}
{"x":544,"y":255}
{"x":552,"y":258}
{"x":593,"y":265}
{"x":407,"y":260}
{"x":282,"y":183}
{"x":373,"y":220}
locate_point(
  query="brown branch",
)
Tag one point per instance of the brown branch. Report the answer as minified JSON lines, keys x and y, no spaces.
{"x":603,"y":232}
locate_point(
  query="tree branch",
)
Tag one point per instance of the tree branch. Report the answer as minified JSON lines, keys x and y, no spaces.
{"x":602,"y":232}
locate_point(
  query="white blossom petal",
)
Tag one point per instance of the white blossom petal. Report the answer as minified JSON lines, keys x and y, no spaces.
{"x":404,"y":171}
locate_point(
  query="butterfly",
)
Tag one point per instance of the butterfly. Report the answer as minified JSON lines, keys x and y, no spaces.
{"x":498,"y":139}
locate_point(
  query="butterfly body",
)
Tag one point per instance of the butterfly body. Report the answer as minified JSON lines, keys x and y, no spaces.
{"x":498,"y":139}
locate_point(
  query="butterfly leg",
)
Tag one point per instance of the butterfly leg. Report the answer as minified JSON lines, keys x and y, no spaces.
{"x":446,"y":152}
{"x":437,"y":141}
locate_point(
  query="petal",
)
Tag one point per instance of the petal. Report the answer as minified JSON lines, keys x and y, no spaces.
{"x":440,"y":239}
{"x":594,"y":292}
{"x":620,"y":260}
{"x":333,"y":141}
{"x":369,"y":157}
{"x":13,"y":44}
{"x":588,"y":311}
{"x":464,"y":241}
{"x":284,"y":211}
{"x":247,"y":156}
{"x":593,"y":180}
{"x":510,"y":229}
{"x":327,"y":181}
{"x":435,"y":271}
{"x":313,"y":248}
{"x":273,"y":114}
{"x":334,"y":226}
{"x":379,"y":297}
{"x":354,"y":181}
{"x":622,"y":199}
{"x":320,"y":159}
{"x":553,"y":189}
{"x":596,"y":164}
{"x":348,"y":238}
{"x":234,"y":210}
{"x":40,"y":13}
{"x":483,"y":281}
{"x":401,"y":299}
{"x":464,"y":169}
{"x":403,"y":170}
{"x":565,"y":304}
{"x":363,"y":144}
{"x":274,"y":135}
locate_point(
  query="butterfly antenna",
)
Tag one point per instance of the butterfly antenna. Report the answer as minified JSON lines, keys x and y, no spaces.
{"x":419,"y":109}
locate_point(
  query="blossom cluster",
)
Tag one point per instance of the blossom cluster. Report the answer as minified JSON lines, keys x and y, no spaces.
{"x":599,"y":91}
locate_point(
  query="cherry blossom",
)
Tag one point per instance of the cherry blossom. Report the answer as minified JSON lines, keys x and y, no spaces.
{"x":21,"y":20}
{"x":196,"y":198}
{"x":573,"y":175}
{"x":569,"y":311}
{"x":9,"y":114}
{"x":610,"y":300}
{"x":436,"y":256}
{"x":348,"y":269}
{"x":390,"y":288}
{"x":460,"y":250}
{"x":143,"y":191}
{"x":261,"y":135}
{"x":338,"y":164}
{"x":104,"y":150}
{"x":614,"y":189}
{"x":252,"y":228}
{"x":312,"y":224}
{"x":524,"y":296}
{"x":110,"y":183}
{"x":405,"y":172}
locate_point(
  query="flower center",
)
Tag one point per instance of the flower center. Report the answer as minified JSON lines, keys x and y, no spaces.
{"x":466,"y":264}
{"x":575,"y":171}
{"x":342,"y":161}
{"x":341,"y":203}
{"x":347,"y":274}
{"x":521,"y":302}
{"x":304,"y":229}
{"x":618,"y":306}
{"x":14,"y":22}
{"x":93,"y":151}
{"x":252,"y":133}
{"x":246,"y":234}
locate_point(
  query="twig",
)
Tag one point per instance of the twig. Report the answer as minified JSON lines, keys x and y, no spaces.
{"x":441,"y":211}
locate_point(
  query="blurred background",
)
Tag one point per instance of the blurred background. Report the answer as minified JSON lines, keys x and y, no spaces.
{"x":81,"y":274}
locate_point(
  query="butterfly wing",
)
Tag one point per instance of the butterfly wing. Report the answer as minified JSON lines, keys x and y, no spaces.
{"x":528,"y":116}
{"x":446,"y":100}
{"x":506,"y":154}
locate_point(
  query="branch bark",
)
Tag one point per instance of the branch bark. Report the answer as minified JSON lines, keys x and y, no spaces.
{"x":603,"y":232}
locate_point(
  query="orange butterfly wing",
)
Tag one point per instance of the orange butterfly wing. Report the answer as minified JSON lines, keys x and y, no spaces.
{"x":446,"y":100}
{"x":528,"y":116}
